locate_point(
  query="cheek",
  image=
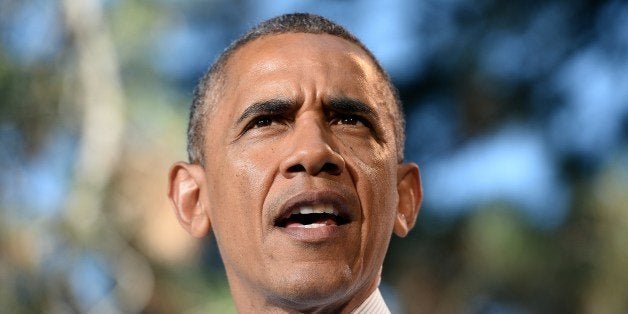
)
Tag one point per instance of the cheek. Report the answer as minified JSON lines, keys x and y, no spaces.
{"x":253,"y":169}
{"x":237,"y":192}
{"x":377,"y":187}
{"x":374,"y":166}
{"x":379,"y":190}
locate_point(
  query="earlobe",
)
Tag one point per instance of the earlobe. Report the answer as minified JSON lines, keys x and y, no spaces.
{"x":410,"y":197}
{"x":185,"y":190}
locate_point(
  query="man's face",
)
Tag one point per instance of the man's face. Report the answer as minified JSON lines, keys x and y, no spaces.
{"x":301,"y":168}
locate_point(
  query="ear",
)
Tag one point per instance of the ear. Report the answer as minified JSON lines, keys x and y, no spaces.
{"x":410,"y":197}
{"x":186,"y":184}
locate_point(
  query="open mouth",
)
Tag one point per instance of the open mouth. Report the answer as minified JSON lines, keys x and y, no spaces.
{"x":312,"y":216}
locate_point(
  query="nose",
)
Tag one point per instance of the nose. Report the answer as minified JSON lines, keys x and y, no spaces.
{"x":311,"y":152}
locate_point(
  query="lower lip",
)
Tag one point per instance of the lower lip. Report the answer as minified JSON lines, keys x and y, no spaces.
{"x":316,"y":234}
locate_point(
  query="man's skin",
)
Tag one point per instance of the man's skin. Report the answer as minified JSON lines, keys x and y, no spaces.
{"x":303,"y":121}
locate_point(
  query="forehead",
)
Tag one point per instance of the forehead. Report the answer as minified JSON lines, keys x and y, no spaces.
{"x":303,"y":46}
{"x":285,"y":63}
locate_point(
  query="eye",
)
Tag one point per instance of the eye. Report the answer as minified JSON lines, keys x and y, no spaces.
{"x":264,"y":121}
{"x":350,"y":120}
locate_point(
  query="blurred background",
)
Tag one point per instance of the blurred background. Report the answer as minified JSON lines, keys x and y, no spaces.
{"x":517,"y":114}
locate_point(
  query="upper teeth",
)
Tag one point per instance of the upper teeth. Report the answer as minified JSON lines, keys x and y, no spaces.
{"x":315,"y":209}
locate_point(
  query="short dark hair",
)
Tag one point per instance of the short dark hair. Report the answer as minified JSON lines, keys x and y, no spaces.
{"x":208,"y":90}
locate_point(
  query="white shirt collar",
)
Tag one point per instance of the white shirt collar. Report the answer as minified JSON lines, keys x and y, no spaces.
{"x":374,"y":304}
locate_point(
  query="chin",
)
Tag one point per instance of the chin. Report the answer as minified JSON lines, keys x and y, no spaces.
{"x":313,"y":287}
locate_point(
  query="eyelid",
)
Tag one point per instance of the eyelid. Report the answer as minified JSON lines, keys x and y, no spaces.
{"x":361,"y":118}
{"x":369,"y":121}
{"x":273,"y":117}
{"x":248,"y":123}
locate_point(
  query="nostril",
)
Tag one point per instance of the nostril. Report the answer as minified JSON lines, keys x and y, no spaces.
{"x":330,"y":168}
{"x":296,"y":168}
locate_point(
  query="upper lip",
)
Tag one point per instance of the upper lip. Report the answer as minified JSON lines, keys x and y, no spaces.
{"x":338,"y":201}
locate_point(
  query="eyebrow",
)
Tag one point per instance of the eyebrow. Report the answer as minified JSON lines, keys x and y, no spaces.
{"x":350,"y":105}
{"x":271,"y":106}
{"x":281,"y":106}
